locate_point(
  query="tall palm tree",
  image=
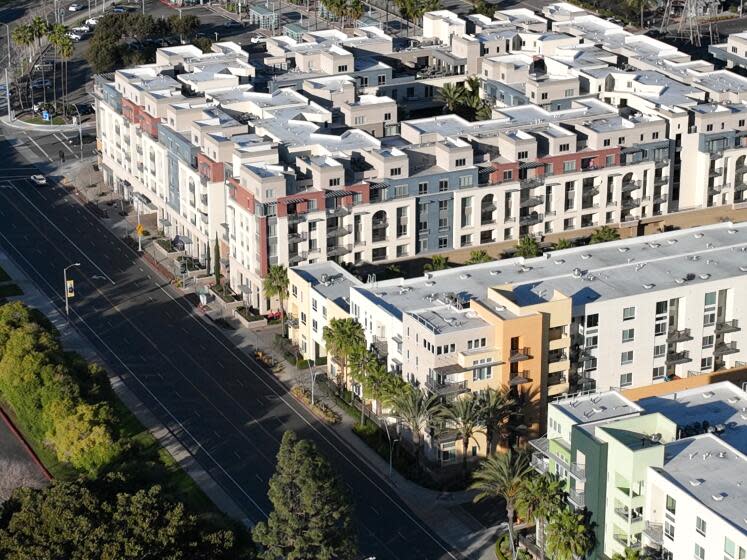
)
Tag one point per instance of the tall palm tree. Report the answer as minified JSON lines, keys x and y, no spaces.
{"x":629,"y":554}
{"x":472,"y":91}
{"x":496,"y":406}
{"x":484,"y":112}
{"x":452,"y":95}
{"x":568,"y":535}
{"x":343,"y":338}
{"x":502,"y":476}
{"x":416,"y":410}
{"x":362,"y":363}
{"x":464,"y":415}
{"x":438,"y":262}
{"x":276,"y":285}
{"x":540,"y":498}
{"x":66,"y":52}
{"x":57,"y":36}
{"x":478,"y":256}
{"x":23,"y":36}
{"x":39,"y":29}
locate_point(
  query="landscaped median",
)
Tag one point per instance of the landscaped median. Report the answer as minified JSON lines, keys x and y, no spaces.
{"x":93,"y":445}
{"x":318,"y":408}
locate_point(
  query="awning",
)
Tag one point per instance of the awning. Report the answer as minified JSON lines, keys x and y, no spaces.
{"x":338,"y":194}
{"x":530,"y":164}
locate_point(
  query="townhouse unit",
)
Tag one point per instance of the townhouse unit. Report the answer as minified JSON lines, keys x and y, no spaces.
{"x":664,"y":473}
{"x":334,"y":146}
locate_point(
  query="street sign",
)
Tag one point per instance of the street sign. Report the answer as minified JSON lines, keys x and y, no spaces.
{"x":70,"y":287}
{"x":140,"y":230}
{"x":45,"y":115}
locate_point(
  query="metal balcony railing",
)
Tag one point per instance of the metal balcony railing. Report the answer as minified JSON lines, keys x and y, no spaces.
{"x":654,"y":532}
{"x":630,"y":186}
{"x":438,"y":388}
{"x":725,"y":348}
{"x":682,"y":335}
{"x":519,"y":355}
{"x":727,"y":326}
{"x":532,"y":201}
{"x":297,"y":237}
{"x":531,"y":219}
{"x":338,"y":211}
{"x":674,"y":358}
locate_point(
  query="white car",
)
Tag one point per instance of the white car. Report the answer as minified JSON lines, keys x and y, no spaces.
{"x":39,"y":180}
{"x":74,"y":36}
{"x":75,"y":7}
{"x":81,"y":29}
{"x":91,"y":22}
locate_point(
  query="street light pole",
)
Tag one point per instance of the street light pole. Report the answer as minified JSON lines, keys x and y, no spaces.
{"x":139,"y":228}
{"x":7,"y":80}
{"x":392,"y":443}
{"x":313,"y":379}
{"x":64,"y":275}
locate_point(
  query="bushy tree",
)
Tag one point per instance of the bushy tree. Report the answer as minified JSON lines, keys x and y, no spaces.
{"x":478,"y":256}
{"x":528,"y":247}
{"x":276,"y":285}
{"x":604,"y":234}
{"x":312,"y":514}
{"x":438,"y":262}
{"x":343,"y":339}
{"x":562,"y":244}
{"x":568,"y":534}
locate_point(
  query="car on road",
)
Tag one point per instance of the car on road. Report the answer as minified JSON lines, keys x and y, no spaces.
{"x":43,"y":67}
{"x":232,"y":24}
{"x":82,"y":29}
{"x":74,"y":36}
{"x":75,"y":7}
{"x":91,"y":22}
{"x":119,"y":10}
{"x":38,"y":180}
{"x":40,"y":83}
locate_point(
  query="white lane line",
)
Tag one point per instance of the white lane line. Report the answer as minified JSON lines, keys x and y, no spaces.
{"x":82,"y":252}
{"x":34,"y":142}
{"x":64,"y":141}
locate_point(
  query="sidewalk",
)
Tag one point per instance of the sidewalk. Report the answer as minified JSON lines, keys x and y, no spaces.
{"x":21,"y":125}
{"x":440,"y":511}
{"x":75,"y":342}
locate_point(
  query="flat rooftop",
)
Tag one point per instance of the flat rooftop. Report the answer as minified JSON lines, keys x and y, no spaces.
{"x":596,"y":407}
{"x":332,"y":282}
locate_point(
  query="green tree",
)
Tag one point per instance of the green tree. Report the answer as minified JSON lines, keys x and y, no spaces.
{"x":452,"y":95}
{"x":362,"y":363}
{"x":639,"y":6}
{"x":540,"y":498}
{"x":438,"y":262}
{"x":66,"y":49}
{"x":416,"y":411}
{"x":497,"y":405}
{"x":276,"y":285}
{"x":312,"y":515}
{"x":478,"y":256}
{"x":89,"y":521}
{"x":216,"y":262}
{"x":484,"y":8}
{"x":464,"y":415}
{"x":184,"y":26}
{"x":604,"y":234}
{"x":203,"y":43}
{"x":484,"y":112}
{"x":472,"y":91}
{"x":568,"y":535}
{"x":343,"y":338}
{"x":527,"y":247}
{"x":502,"y":476}
{"x":629,"y":554}
{"x":562,"y":244}
{"x":104,"y":53}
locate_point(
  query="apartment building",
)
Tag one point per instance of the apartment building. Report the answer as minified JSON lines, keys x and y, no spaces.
{"x":663,"y":473}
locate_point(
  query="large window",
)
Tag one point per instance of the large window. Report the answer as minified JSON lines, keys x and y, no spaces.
{"x":671,"y":505}
{"x":700,"y":526}
{"x":699,"y":552}
{"x":628,"y":313}
{"x":628,"y":335}
{"x":626,"y":357}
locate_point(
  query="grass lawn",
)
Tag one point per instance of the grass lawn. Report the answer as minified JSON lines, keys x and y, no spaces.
{"x":7,"y":290}
{"x":3,"y":275}
{"x":39,"y":120}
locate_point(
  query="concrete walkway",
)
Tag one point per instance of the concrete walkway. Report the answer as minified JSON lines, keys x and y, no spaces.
{"x":22,"y":125}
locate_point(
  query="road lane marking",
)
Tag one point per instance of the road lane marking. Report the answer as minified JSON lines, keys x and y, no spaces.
{"x":64,"y":141}
{"x":35,"y":143}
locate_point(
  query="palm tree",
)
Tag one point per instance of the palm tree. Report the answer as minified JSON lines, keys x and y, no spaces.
{"x":354,"y":9}
{"x":276,"y":285}
{"x":452,"y":95}
{"x":568,"y":535}
{"x":604,"y":234}
{"x":66,"y":52}
{"x":629,"y":554}
{"x":478,"y":256}
{"x":416,"y":410}
{"x":343,"y":338}
{"x":496,"y":406}
{"x":527,"y":247}
{"x":484,"y":112}
{"x":465,"y":417}
{"x":438,"y":262}
{"x":362,"y":362}
{"x":57,"y":36}
{"x":472,"y":91}
{"x":39,"y":29}
{"x":562,"y":244}
{"x":540,"y":498}
{"x":502,"y":476}
{"x":23,"y":36}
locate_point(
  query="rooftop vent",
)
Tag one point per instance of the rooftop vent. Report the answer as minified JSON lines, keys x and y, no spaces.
{"x":464,"y":276}
{"x":495,"y":272}
{"x":743,"y":268}
{"x":719,"y":497}
{"x":732,"y":231}
{"x":679,"y":281}
{"x":704,"y":276}
{"x":722,"y":454}
{"x":577,"y":273}
{"x":709,"y":245}
{"x":671,"y":241}
{"x":525,"y":269}
{"x":693,"y":257}
{"x":733,"y":400}
{"x":696,"y":482}
{"x":708,"y":394}
{"x":623,"y":249}
{"x":698,"y":235}
{"x":639,"y":266}
{"x":648,"y":286}
{"x":586,"y":256}
{"x":654,"y":245}
{"x":559,"y":261}
{"x":430,"y":283}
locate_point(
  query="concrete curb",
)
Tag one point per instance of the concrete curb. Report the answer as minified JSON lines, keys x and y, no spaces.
{"x":16,"y":432}
{"x":20,"y":125}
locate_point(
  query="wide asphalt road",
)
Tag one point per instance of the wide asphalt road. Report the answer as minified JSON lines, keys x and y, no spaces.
{"x":226,"y":410}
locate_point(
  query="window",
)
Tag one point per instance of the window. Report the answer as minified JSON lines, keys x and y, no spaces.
{"x":359,"y":119}
{"x":628,"y":335}
{"x":422,"y":188}
{"x":294,"y":290}
{"x":607,"y":142}
{"x":564,"y":147}
{"x":700,"y":526}
{"x":706,"y":363}
{"x":313,"y":325}
{"x":324,"y":312}
{"x":401,"y":251}
{"x":671,"y":505}
{"x":481,"y":372}
{"x":381,"y":78}
{"x":709,"y":128}
{"x":442,"y":242}
{"x":395,"y":171}
{"x":708,"y":341}
{"x":342,"y":68}
{"x":660,"y":328}
{"x":592,"y":321}
{"x":669,"y":529}
{"x":448,"y":452}
{"x":461,"y":162}
{"x":543,"y":95}
{"x":387,"y":116}
{"x":569,"y":166}
{"x":522,"y":155}
{"x":710,"y":299}
{"x":400,"y":191}
{"x":709,"y":318}
{"x":443,"y":185}
{"x":334,"y":182}
{"x":660,"y":350}
{"x":729,"y":548}
{"x":569,"y":92}
{"x":699,"y":550}
{"x":626,"y":357}
{"x":591,"y":341}
{"x":628,"y":313}
{"x":314,"y":304}
{"x":508,"y":175}
{"x":661,"y":307}
{"x":626,"y":380}
{"x":303,"y":318}
{"x":465,"y":181}
{"x":658,"y":372}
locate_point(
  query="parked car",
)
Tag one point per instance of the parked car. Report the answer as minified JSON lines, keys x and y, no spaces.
{"x":84,"y":108}
{"x":81,"y":29}
{"x":38,"y":180}
{"x":75,"y":7}
{"x":43,"y":67}
{"x":74,"y":36}
{"x":232,"y":23}
{"x":119,"y":10}
{"x":91,"y":22}
{"x":40,"y":83}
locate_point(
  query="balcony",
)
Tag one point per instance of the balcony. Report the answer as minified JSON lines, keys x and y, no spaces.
{"x":531,"y":182}
{"x":740,"y":186}
{"x":654,"y":532}
{"x":339,"y":231}
{"x":714,"y":190}
{"x":337,"y":212}
{"x":625,"y":513}
{"x":660,"y":199}
{"x":659,"y":163}
{"x":379,"y":224}
{"x":300,"y":257}
{"x":716,"y":172}
{"x":297,"y":237}
{"x":723,"y":327}
{"x":556,"y":379}
{"x":519,"y":378}
{"x":682,"y":335}
{"x":443,"y":389}
{"x":623,"y":540}
{"x":204,"y":199}
{"x":725,"y":348}
{"x":519,"y":355}
{"x":630,"y":186}
{"x":296,"y":218}
{"x":539,"y":463}
{"x":532,"y":201}
{"x":577,"y":498}
{"x":631,"y":203}
{"x":531,"y":219}
{"x":674,"y":358}
{"x":542,"y":445}
{"x":338,"y":250}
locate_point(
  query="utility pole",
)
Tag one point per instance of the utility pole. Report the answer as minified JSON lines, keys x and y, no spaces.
{"x":7,"y":80}
{"x":67,"y":292}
